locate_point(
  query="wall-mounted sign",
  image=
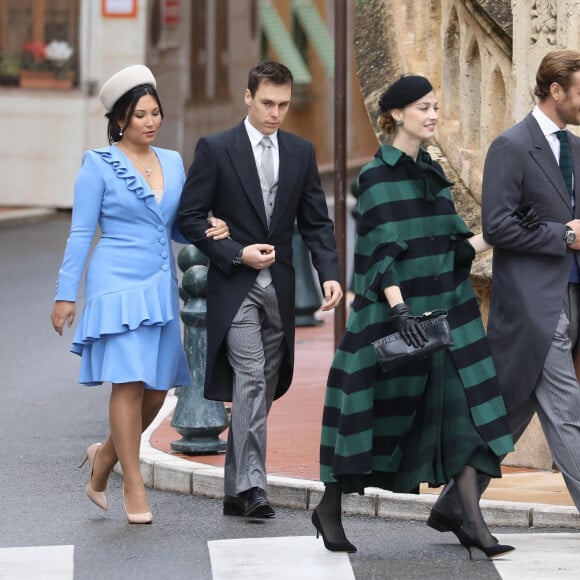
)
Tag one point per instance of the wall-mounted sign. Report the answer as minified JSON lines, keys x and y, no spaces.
{"x":119,"y":8}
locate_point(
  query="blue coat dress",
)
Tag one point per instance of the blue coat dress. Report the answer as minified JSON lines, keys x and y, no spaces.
{"x":129,"y":328}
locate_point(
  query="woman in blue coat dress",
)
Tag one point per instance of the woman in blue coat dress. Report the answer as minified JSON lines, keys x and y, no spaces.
{"x":129,"y":332}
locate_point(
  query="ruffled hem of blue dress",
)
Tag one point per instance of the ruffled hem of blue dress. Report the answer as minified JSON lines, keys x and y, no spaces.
{"x":118,"y":312}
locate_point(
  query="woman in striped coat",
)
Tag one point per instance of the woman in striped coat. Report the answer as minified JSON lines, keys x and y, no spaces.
{"x":441,"y":417}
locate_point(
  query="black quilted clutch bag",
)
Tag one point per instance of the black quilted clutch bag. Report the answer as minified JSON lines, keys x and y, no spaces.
{"x":392,"y":350}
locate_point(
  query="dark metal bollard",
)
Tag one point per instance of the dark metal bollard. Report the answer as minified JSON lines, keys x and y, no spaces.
{"x":198,"y":420}
{"x":307,"y":299}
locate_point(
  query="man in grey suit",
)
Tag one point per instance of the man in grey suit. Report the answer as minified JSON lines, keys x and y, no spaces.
{"x":260,"y":180}
{"x":535,"y":301}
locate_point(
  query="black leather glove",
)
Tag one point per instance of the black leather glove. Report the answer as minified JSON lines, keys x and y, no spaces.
{"x":408,"y":325}
{"x":464,"y":253}
{"x":528,"y":216}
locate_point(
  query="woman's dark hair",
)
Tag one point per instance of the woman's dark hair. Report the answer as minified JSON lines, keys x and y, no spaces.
{"x":269,"y":71}
{"x":123,"y":109}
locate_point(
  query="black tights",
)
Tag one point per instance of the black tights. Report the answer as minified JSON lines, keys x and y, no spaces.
{"x":330,"y":513}
{"x":330,"y":509}
{"x":468,"y":492}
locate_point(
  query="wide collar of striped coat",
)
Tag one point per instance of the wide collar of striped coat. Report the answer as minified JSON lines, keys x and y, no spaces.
{"x":423,"y":168}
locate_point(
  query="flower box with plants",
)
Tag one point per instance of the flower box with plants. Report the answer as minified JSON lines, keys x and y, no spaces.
{"x":47,"y":65}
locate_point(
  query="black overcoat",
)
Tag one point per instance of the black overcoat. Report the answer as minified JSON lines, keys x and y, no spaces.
{"x":223,"y":179}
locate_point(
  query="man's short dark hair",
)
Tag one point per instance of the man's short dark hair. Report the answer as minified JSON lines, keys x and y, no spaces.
{"x":270,"y":71}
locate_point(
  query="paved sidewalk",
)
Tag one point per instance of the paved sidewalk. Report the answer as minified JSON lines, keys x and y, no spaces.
{"x":523,"y":497}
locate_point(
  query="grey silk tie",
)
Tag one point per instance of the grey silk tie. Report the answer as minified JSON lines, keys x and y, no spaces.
{"x":267,"y":163}
{"x":267,"y":170}
{"x":268,"y":192}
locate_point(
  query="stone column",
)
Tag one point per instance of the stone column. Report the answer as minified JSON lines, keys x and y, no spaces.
{"x":539,"y":26}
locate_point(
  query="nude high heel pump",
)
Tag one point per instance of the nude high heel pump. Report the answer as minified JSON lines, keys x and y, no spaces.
{"x":99,"y":498}
{"x":144,"y":518}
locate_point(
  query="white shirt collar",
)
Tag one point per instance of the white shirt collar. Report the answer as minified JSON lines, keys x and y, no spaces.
{"x":546,"y":124}
{"x":255,"y":135}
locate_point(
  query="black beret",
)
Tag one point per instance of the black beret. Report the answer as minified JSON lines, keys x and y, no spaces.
{"x":405,"y":91}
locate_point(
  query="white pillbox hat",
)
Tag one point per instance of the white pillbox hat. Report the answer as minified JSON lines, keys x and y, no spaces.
{"x":123,"y":81}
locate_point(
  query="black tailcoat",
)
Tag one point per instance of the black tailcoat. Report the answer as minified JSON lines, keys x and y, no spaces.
{"x":223,"y":179}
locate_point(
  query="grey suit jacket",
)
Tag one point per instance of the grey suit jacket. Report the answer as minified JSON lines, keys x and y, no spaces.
{"x":530,"y":268}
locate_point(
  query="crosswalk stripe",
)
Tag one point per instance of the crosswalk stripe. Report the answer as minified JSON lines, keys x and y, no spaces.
{"x":285,"y":558}
{"x":540,"y":556}
{"x":37,"y":563}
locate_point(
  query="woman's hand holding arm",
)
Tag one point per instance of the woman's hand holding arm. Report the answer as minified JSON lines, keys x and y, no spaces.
{"x":479,"y":244}
{"x":219,"y":230}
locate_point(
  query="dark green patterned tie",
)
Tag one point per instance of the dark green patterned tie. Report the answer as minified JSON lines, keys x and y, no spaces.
{"x":566,"y":166}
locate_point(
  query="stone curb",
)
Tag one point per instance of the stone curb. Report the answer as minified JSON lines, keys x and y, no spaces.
{"x":17,"y":216}
{"x":166,"y":472}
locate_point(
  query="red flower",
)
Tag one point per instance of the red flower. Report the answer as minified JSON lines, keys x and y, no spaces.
{"x":36,"y":49}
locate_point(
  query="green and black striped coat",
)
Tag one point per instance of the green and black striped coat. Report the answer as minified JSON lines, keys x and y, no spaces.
{"x":419,"y":423}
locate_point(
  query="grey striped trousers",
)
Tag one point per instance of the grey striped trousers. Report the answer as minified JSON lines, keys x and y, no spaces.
{"x":557,"y":396}
{"x":254,"y":342}
{"x":556,"y":399}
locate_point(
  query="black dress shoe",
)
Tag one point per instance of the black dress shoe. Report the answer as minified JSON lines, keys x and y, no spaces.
{"x":251,"y":503}
{"x":257,"y":504}
{"x":233,"y":506}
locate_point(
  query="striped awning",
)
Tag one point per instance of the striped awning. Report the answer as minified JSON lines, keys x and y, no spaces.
{"x":275,"y":32}
{"x":316,"y":31}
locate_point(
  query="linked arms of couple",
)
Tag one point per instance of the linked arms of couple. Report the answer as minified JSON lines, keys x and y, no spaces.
{"x":408,"y":325}
{"x":260,"y":256}
{"x":528,"y":218}
{"x":63,"y":311}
